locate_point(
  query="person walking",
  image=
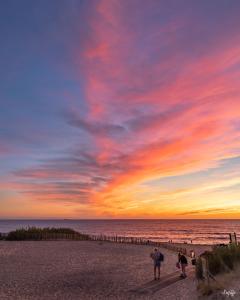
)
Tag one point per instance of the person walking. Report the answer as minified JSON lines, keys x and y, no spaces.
{"x":157,"y":258}
{"x":182,"y":260}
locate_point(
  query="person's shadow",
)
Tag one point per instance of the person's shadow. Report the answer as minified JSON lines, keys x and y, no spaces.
{"x":156,"y":285}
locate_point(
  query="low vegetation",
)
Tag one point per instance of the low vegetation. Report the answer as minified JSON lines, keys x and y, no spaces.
{"x":34,"y":233}
{"x":223,"y":259}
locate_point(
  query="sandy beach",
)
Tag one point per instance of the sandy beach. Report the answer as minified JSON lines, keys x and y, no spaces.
{"x":87,"y":270}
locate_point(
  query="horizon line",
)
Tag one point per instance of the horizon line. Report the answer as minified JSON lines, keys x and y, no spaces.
{"x":112,"y":219}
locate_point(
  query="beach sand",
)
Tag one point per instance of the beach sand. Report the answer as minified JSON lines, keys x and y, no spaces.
{"x":86,"y":270}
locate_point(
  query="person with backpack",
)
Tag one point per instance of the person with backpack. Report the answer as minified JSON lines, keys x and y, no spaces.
{"x":182,"y":262}
{"x":157,"y":258}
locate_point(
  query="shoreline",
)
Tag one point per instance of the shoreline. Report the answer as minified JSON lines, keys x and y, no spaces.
{"x":127,"y":240}
{"x":200,"y":231}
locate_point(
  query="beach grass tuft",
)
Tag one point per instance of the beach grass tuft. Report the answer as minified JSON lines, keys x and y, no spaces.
{"x":35,"y":233}
{"x":220,"y":260}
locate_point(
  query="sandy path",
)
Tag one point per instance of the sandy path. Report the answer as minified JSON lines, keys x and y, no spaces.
{"x":83,"y":270}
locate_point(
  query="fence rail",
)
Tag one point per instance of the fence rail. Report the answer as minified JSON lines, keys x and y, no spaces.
{"x":100,"y":238}
{"x":45,"y":236}
{"x":139,"y":241}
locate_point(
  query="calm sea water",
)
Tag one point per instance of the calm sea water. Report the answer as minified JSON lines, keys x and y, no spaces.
{"x":199,"y":231}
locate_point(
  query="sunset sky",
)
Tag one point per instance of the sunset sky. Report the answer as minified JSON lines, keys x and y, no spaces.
{"x":120,"y":109}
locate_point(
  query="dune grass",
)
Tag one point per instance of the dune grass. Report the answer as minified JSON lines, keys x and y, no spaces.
{"x":34,"y":233}
{"x":220,"y":260}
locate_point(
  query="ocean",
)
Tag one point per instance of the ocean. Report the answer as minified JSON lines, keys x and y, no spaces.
{"x":197,"y":231}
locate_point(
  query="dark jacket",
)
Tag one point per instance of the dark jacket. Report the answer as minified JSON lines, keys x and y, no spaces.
{"x":183,"y":259}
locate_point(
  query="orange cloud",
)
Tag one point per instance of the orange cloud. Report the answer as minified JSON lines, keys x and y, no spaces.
{"x":161,"y":102}
{"x":121,"y":78}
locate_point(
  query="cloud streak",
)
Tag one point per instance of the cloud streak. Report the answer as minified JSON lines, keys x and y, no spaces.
{"x":158,"y":98}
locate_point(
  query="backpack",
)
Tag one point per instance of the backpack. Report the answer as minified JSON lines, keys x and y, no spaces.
{"x":161,"y":257}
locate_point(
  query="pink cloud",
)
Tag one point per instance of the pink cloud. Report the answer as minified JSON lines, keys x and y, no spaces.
{"x":155,"y":107}
{"x":123,"y":74}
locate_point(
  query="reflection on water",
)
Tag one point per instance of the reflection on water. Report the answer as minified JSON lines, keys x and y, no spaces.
{"x":199,"y":231}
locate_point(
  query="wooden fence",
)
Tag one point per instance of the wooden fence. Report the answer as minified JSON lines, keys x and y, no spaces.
{"x":140,"y":241}
{"x":101,"y":238}
{"x":37,"y":236}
